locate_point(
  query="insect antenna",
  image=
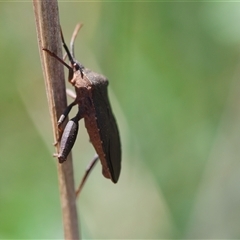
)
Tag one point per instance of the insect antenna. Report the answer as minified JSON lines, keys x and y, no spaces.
{"x":70,"y":57}
{"x":76,"y":30}
{"x":74,"y":63}
{"x":58,"y":58}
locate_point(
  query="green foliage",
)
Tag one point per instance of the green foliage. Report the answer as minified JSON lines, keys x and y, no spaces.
{"x":173,"y":70}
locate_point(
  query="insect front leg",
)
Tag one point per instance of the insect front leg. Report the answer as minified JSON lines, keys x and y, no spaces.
{"x":65,"y":113}
{"x":69,"y":137}
{"x":61,"y":120}
{"x":71,"y":93}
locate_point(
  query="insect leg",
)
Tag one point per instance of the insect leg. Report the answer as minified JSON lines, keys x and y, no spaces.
{"x":65,"y":113}
{"x":71,"y":93}
{"x":87,"y":172}
{"x":69,"y":137}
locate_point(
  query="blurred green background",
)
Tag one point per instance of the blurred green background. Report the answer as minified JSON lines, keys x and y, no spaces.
{"x":174,"y":86}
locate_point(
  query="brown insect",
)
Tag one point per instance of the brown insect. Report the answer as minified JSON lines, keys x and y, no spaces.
{"x":94,"y":107}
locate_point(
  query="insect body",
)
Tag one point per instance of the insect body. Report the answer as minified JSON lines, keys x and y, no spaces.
{"x":94,"y":107}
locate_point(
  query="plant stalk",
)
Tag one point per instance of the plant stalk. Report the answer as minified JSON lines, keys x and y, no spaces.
{"x":48,"y":34}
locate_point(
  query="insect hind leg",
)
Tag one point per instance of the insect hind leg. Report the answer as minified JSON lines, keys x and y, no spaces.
{"x":87,"y":172}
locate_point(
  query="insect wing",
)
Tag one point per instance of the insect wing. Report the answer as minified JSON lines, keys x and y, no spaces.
{"x":106,"y":124}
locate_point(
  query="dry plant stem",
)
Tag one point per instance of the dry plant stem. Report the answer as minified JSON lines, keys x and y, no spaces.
{"x":48,"y":32}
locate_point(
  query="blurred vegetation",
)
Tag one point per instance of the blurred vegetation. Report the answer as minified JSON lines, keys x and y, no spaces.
{"x":174,"y":87}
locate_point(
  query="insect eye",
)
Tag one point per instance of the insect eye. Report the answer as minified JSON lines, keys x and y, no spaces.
{"x":76,"y":66}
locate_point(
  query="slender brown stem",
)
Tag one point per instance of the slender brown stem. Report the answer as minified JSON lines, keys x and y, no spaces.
{"x":48,"y":33}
